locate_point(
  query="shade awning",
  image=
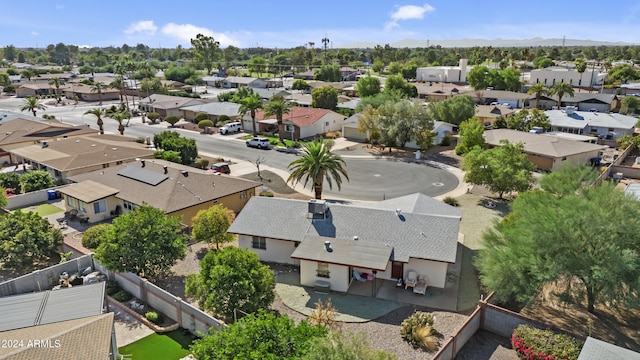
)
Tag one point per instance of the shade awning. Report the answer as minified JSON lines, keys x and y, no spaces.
{"x":88,"y":191}
{"x":348,"y":252}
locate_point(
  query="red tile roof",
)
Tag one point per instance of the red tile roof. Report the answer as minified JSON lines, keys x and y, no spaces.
{"x":300,"y":116}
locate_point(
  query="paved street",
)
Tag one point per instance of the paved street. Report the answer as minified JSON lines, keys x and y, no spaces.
{"x":371,"y":179}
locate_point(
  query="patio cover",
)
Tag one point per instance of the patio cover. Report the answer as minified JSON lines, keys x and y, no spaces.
{"x":88,"y":191}
{"x":348,"y":252}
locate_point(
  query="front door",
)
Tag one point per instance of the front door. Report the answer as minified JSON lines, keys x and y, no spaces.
{"x":397,"y":270}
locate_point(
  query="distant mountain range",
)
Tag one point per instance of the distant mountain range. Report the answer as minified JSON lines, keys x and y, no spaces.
{"x":466,"y":43}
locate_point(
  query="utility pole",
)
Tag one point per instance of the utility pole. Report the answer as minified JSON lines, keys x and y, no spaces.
{"x":325,"y":42}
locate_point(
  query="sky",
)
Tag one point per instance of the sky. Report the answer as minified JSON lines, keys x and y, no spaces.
{"x":287,"y":24}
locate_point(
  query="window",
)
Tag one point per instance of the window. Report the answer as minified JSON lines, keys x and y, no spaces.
{"x":72,"y":202}
{"x":288,"y":128}
{"x":323,"y":270}
{"x":82,"y":206}
{"x":127,"y":205}
{"x":118,"y":162}
{"x":104,"y":166}
{"x":259,"y":243}
{"x":99,"y":207}
{"x":216,"y":201}
{"x":610,"y":130}
{"x":243,"y":194}
{"x":57,"y":173}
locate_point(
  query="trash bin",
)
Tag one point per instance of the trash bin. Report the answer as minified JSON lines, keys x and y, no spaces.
{"x":51,"y":194}
{"x":418,"y":154}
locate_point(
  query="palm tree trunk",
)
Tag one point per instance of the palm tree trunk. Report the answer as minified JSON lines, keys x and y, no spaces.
{"x":318,"y":190}
{"x":538,"y":101}
{"x":253,"y":123}
{"x":34,"y":112}
{"x":100,"y":125}
{"x":281,"y":131}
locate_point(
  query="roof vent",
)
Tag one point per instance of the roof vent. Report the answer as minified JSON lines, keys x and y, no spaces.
{"x":143,"y":163}
{"x":114,"y":149}
{"x":327,"y":246}
{"x":355,"y":238}
{"x":184,"y":173}
{"x":399,"y":212}
{"x":45,"y":144}
{"x":166,"y":169}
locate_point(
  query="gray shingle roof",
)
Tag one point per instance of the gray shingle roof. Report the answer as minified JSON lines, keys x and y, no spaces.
{"x":595,"y":349}
{"x":215,"y":108}
{"x":427,"y":236}
{"x":540,"y":144}
{"x":582,"y":119}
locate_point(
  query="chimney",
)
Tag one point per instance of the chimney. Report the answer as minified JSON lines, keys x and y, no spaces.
{"x":327,"y":246}
{"x":142,"y":163}
{"x":166,"y":169}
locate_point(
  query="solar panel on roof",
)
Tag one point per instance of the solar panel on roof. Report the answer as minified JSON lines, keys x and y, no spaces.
{"x":143,"y":175}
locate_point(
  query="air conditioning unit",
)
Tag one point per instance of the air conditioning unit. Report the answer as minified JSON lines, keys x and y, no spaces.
{"x":317,"y":206}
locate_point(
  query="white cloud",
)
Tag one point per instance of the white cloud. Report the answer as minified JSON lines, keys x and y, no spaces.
{"x":146,"y":27}
{"x":408,"y":12}
{"x":186,"y":32}
{"x":35,"y":33}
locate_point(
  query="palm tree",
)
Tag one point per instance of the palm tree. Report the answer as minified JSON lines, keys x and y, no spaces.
{"x":98,"y":87}
{"x":97,"y":112}
{"x":317,"y":163}
{"x":32,"y":104}
{"x":119,"y":117}
{"x":249,"y":105}
{"x":560,"y":89}
{"x":278,"y":106}
{"x":55,"y":81}
{"x":118,"y":84}
{"x":539,"y":89}
{"x":581,"y":67}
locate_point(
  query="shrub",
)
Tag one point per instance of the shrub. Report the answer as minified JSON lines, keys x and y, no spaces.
{"x":172,"y":119}
{"x":95,"y":235}
{"x":141,"y":140}
{"x":112,"y":287}
{"x":158,"y":154}
{"x":122,"y":296}
{"x":153,"y":316}
{"x":451,"y":201}
{"x":201,"y":116}
{"x":446,"y":141}
{"x":418,"y":330}
{"x":202,"y":163}
{"x":274,"y":142}
{"x":172,"y":156}
{"x":266,"y":193}
{"x":324,"y":315}
{"x":203,"y":124}
{"x":224,"y":118}
{"x":333,"y":135}
{"x":536,"y":344}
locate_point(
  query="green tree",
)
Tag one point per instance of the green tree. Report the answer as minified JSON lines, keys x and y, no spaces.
{"x":28,"y":74}
{"x":340,"y":346}
{"x":119,"y":116}
{"x":262,"y":335}
{"x":367,"y":86}
{"x":4,"y":79}
{"x":32,"y":104}
{"x":172,"y":119}
{"x":325,"y":97}
{"x":35,"y":180}
{"x":26,"y":239}
{"x":211,"y":225}
{"x":478,"y":77}
{"x":573,"y":240}
{"x":369,"y":123}
{"x":509,"y":80}
{"x":257,"y":64}
{"x":98,"y":87}
{"x":95,"y":235}
{"x":330,"y":73}
{"x":229,"y":279}
{"x":279,"y":107}
{"x":201,"y":116}
{"x":153,"y":116}
{"x":10,"y":180}
{"x":581,"y":67}
{"x":172,"y":141}
{"x":539,"y":89}
{"x":204,"y":124}
{"x":398,"y":83}
{"x":401,"y":122}
{"x":179,"y":73}
{"x":377,"y":66}
{"x":98,"y":113}
{"x":143,"y":241}
{"x":317,"y":163}
{"x":55,"y":81}
{"x":300,"y":84}
{"x":454,"y":110}
{"x":629,"y":105}
{"x":560,"y":89}
{"x":377,"y":100}
{"x":251,"y":104}
{"x":471,"y":135}
{"x":501,"y":169}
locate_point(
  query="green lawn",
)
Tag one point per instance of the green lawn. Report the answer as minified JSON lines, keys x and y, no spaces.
{"x":169,"y":346}
{"x":43,"y":209}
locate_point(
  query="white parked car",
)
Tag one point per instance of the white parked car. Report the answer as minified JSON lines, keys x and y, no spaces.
{"x":258,"y":142}
{"x":231,"y":127}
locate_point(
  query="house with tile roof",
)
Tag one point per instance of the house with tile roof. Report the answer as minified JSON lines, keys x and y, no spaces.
{"x":25,"y":130}
{"x":608,"y":126}
{"x":329,"y":241}
{"x":516,"y":100}
{"x":300,"y":123}
{"x":546,"y":152}
{"x":68,"y":323}
{"x":177,"y":189}
{"x":234,"y":82}
{"x":86,"y":93}
{"x":72,"y":156}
